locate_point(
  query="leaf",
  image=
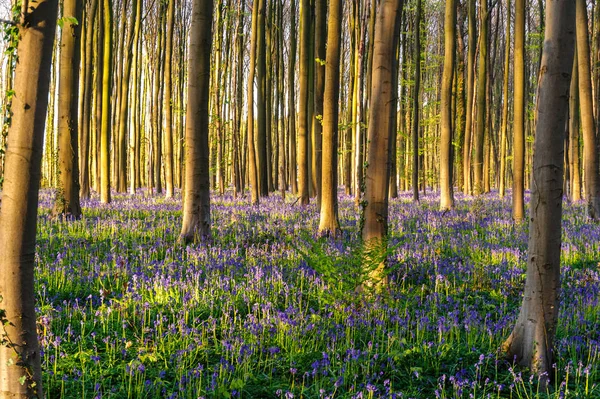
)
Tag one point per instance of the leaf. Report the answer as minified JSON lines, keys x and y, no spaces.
{"x":22,"y":380}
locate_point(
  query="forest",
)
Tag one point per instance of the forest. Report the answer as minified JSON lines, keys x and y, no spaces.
{"x":300,"y":199}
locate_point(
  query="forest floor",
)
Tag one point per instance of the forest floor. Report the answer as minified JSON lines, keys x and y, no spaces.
{"x":269,"y":310}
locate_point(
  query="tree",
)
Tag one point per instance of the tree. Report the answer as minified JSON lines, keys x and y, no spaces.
{"x":447,"y":195}
{"x":374,"y":230}
{"x":574,"y":158}
{"x":519,"y":99}
{"x":105,"y":104}
{"x":20,"y":369}
{"x":329,"y":223}
{"x":416,"y":101}
{"x":478,"y":139}
{"x":87,"y":92}
{"x":504,"y":128}
{"x":467,"y":186}
{"x":531,"y":341}
{"x":303,"y":123}
{"x":196,"y":205}
{"x":252,"y":161}
{"x":261,"y":106}
{"x":590,"y":151}
{"x":168,"y":102}
{"x":67,"y":195}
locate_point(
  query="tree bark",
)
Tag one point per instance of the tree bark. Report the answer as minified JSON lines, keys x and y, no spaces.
{"x":196,"y":206}
{"x":478,"y":139}
{"x":590,"y":153}
{"x":168,"y":102}
{"x":519,"y":99}
{"x":532,"y":339}
{"x":66,"y":202}
{"x":574,"y":156}
{"x":20,"y":355}
{"x":303,"y":122}
{"x":374,"y":230}
{"x":329,"y":223}
{"x":472,"y":43}
{"x":416,"y":102}
{"x":252,"y":161}
{"x":106,"y":91}
{"x":446,"y":182}
{"x":505,"y":94}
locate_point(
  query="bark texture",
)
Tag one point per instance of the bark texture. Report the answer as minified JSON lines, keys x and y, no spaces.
{"x":196,"y":206}
{"x":20,"y":354}
{"x":532,"y":339}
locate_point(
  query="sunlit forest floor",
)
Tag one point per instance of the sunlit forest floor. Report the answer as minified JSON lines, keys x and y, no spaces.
{"x":268,"y":310}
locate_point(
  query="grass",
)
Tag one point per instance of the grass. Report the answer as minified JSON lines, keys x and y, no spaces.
{"x":268,"y":310}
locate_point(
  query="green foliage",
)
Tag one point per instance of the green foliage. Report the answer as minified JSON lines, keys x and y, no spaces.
{"x":346,"y":271}
{"x":69,"y":20}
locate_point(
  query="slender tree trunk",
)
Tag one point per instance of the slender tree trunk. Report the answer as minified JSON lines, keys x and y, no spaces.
{"x":574,"y":156}
{"x":261,"y":103}
{"x":252,"y":158}
{"x":416,"y":101}
{"x":321,"y":26}
{"x":168,"y":102}
{"x":374,"y":230}
{"x":590,"y":153}
{"x":106,"y":90}
{"x":519,"y":114}
{"x":531,"y":342}
{"x":86,"y":114}
{"x":67,"y":195}
{"x":505,"y":94}
{"x":196,"y":206}
{"x":303,"y":122}
{"x":292,"y":100}
{"x":20,"y":369}
{"x":478,"y":139}
{"x":329,"y":223}
{"x":446,"y":182}
{"x":472,"y":42}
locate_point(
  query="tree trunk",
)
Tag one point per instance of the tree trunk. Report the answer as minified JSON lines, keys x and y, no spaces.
{"x":196,"y":206}
{"x":20,"y":369}
{"x":303,"y":122}
{"x":446,"y":182}
{"x":519,"y":114}
{"x":106,"y":91}
{"x":505,"y":94}
{"x":374,"y":230}
{"x":86,"y":113}
{"x":292,"y":101}
{"x":261,"y":103}
{"x":574,"y":157}
{"x":321,"y":26}
{"x":478,"y":139}
{"x":472,"y":43}
{"x":590,"y":153}
{"x":168,"y":102}
{"x":531,"y":341}
{"x":252,"y":161}
{"x":67,"y":195}
{"x":329,"y":223}
{"x":416,"y":102}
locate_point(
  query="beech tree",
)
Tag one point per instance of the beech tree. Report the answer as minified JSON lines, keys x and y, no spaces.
{"x":588,"y":124}
{"x":196,"y":205}
{"x":532,"y":339}
{"x":20,"y":368}
{"x":520,"y":100}
{"x":374,"y":230}
{"x":67,"y":195}
{"x":447,"y":195}
{"x":329,"y":223}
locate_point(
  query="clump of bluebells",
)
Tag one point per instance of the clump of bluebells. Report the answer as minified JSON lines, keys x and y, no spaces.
{"x":125,"y":312}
